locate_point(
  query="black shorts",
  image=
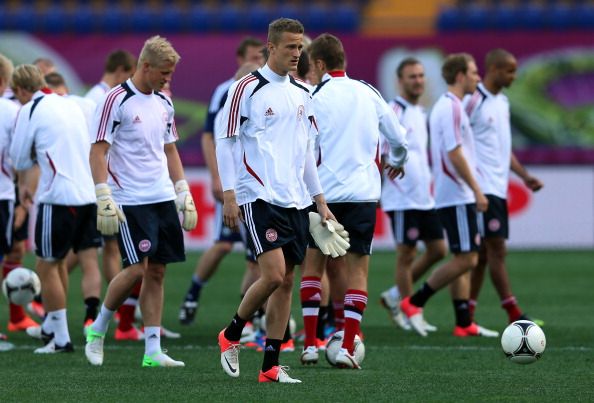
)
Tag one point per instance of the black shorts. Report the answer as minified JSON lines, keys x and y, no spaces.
{"x":59,"y":228}
{"x":6,"y":223}
{"x":270,"y":227}
{"x":358,"y":218}
{"x":461,"y":225}
{"x":494,"y":223}
{"x":409,"y":226}
{"x":153,"y":231}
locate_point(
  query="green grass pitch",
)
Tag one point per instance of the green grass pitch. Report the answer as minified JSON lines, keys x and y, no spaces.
{"x":554,"y":286}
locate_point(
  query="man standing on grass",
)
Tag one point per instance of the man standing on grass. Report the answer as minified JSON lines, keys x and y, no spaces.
{"x":149,"y":188}
{"x":458,"y":197}
{"x":409,"y":202}
{"x":351,"y":117}
{"x":488,"y":110}
{"x":270,"y":114}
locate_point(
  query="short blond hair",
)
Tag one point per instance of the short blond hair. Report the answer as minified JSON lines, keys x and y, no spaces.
{"x":27,"y":77}
{"x":6,"y":68}
{"x":158,"y":51}
{"x":282,"y":25}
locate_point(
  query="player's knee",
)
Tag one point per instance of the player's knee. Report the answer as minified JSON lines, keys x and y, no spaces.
{"x":224,"y":247}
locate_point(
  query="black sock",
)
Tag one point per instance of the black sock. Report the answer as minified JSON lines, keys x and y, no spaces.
{"x":91,"y":305}
{"x":271,"y":352}
{"x":420,"y":297}
{"x":193,"y":293}
{"x":462,"y":312}
{"x":288,"y":335}
{"x":322,"y":319}
{"x":233,"y":331}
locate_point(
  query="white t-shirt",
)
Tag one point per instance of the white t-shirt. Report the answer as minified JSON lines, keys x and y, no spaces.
{"x":88,"y":108}
{"x":351,"y":115}
{"x":489,"y":118}
{"x":98,"y":92}
{"x":449,"y":128}
{"x":272,"y":118}
{"x":137,"y":126}
{"x":55,"y":128}
{"x":413,"y":191}
{"x":7,"y":121}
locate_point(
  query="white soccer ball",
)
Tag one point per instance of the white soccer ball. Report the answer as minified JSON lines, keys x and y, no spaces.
{"x":335,"y":343}
{"x":292,"y":324}
{"x":523,"y":342}
{"x":21,"y":286}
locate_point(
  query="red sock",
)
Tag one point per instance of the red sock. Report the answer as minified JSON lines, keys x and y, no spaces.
{"x":311,"y":295}
{"x":338,"y":307}
{"x":126,"y":311}
{"x":472,"y":303}
{"x":510,"y":304}
{"x":355,"y":302}
{"x":16,"y":313}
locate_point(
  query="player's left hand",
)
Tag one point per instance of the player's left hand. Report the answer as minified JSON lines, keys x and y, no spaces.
{"x":533,"y":183}
{"x":185,"y":203}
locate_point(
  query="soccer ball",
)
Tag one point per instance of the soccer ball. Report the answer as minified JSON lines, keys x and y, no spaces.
{"x":523,"y":342}
{"x":21,"y":286}
{"x":335,"y":343}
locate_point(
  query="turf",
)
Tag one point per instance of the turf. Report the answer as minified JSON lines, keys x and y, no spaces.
{"x":553,"y":286}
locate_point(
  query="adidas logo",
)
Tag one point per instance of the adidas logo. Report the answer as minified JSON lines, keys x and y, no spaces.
{"x":269,"y":112}
{"x":153,"y":336}
{"x":137,"y":119}
{"x":316,"y":297}
{"x":270,"y":348}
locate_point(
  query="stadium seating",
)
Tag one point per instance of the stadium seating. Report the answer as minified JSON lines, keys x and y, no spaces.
{"x":111,"y":16}
{"x":520,"y":14}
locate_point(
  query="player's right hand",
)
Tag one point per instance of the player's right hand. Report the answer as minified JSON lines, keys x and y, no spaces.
{"x":109,"y":215}
{"x":231,"y":211}
{"x":482,"y":203}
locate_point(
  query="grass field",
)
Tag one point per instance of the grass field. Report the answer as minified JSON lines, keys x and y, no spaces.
{"x":554,"y":286}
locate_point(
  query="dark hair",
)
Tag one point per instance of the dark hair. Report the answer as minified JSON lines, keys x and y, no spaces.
{"x":497,"y":58}
{"x":248,"y":42}
{"x":328,"y":49}
{"x":409,"y":61}
{"x":303,"y":64}
{"x":119,"y":58}
{"x":454,"y":64}
{"x":280,"y":25}
{"x":54,"y":79}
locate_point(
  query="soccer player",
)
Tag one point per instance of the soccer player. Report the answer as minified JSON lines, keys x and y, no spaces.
{"x":248,"y":51}
{"x":45,"y":65}
{"x":51,"y":137}
{"x":409,"y":202}
{"x":149,"y":189}
{"x":270,"y":114}
{"x":119,"y":66}
{"x":12,"y":215}
{"x":351,"y":115}
{"x":488,"y":110}
{"x":91,"y":277}
{"x":457,"y":198}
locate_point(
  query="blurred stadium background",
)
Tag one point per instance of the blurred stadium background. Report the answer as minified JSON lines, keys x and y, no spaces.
{"x":552,"y":98}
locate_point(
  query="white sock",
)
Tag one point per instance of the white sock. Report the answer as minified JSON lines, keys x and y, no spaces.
{"x":394,"y":293}
{"x":59,"y":325}
{"x":152,"y":340}
{"x":46,"y":325}
{"x":102,"y":322}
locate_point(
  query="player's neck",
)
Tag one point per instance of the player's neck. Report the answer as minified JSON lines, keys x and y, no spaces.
{"x":491,"y":86}
{"x":456,"y":90}
{"x":140,"y":86}
{"x":410,"y":99}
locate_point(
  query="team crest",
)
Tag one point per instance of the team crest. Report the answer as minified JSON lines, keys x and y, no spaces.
{"x":271,"y":235}
{"x":144,"y":245}
{"x":300,"y":112}
{"x":494,"y":225}
{"x":412,"y":233}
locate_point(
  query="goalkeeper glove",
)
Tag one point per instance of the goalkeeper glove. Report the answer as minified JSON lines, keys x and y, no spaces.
{"x":109,"y":215}
{"x":185,"y":204}
{"x":332,"y":239}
